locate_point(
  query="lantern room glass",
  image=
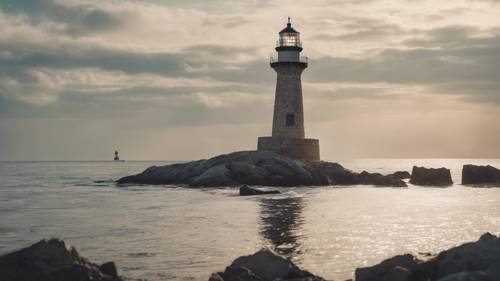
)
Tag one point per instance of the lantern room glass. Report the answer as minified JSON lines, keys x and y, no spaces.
{"x":289,"y":40}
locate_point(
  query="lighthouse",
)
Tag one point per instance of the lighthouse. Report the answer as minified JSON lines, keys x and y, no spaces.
{"x":288,"y":132}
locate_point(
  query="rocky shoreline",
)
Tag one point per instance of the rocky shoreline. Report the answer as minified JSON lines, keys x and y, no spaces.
{"x":54,"y":260}
{"x":265,"y":168}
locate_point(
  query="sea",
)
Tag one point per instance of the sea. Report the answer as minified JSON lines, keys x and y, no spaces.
{"x":177,"y":233}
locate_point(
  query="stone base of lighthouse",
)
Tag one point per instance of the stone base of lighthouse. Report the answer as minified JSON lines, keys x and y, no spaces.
{"x":297,"y":148}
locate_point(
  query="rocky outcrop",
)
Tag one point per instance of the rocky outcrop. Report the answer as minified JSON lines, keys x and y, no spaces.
{"x":380,"y":180}
{"x":430,"y":176}
{"x":477,"y":261}
{"x":472,"y":174}
{"x":53,"y":260}
{"x":401,"y":175}
{"x":248,"y":191}
{"x":257,"y":168}
{"x":265,"y":265}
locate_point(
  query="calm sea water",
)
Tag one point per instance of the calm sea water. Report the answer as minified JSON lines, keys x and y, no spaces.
{"x":172,"y":233}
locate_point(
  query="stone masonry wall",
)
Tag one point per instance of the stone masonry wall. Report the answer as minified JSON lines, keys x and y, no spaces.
{"x":297,"y":148}
{"x":288,"y":99}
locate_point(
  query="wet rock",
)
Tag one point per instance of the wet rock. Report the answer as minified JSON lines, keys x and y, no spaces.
{"x":215,"y":277}
{"x":109,"y":268}
{"x":397,"y":273}
{"x":430,"y":176}
{"x":476,"y":261}
{"x":257,"y":168}
{"x":380,"y":271}
{"x":53,"y":260}
{"x":215,"y":176}
{"x":265,"y":265}
{"x":401,"y":175}
{"x":380,"y":180}
{"x":248,"y":191}
{"x":472,"y":174}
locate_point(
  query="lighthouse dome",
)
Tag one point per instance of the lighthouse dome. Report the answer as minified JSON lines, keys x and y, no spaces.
{"x":288,"y":29}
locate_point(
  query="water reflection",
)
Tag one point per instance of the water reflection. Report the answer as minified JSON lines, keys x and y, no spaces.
{"x":281,"y":222}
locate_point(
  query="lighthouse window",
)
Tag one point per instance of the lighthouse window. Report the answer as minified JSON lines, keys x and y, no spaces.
{"x":290,"y":120}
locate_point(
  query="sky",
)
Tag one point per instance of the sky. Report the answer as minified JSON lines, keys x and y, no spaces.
{"x":190,"y":79}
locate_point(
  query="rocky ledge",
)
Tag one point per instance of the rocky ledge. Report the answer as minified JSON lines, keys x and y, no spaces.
{"x":262,"y":266}
{"x":258,"y":168}
{"x":476,"y":261}
{"x":53,"y":260}
{"x":430,"y":176}
{"x":472,"y":174}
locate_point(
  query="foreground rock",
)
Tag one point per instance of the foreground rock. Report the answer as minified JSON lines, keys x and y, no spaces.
{"x":430,"y":177}
{"x":265,"y":265}
{"x":477,"y":261}
{"x":53,"y":260}
{"x":248,"y":191}
{"x":257,"y":168}
{"x":472,"y":174}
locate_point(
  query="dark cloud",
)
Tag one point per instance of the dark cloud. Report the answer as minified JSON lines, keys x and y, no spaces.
{"x":78,"y":19}
{"x":458,"y":57}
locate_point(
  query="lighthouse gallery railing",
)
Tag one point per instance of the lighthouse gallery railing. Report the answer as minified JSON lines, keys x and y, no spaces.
{"x":303,"y":59}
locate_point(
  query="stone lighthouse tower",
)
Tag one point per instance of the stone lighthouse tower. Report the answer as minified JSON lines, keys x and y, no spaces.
{"x":288,"y":135}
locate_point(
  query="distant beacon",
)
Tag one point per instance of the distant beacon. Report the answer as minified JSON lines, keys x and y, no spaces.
{"x":116,"y":156}
{"x":288,"y":135}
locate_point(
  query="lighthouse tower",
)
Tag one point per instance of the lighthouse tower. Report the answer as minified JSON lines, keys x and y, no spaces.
{"x":288,"y":134}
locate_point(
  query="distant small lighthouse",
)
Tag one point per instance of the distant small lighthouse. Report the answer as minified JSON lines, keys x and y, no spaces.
{"x":116,"y":156}
{"x":288,"y":133}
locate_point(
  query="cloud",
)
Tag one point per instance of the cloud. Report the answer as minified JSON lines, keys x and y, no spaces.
{"x":155,"y":65}
{"x":75,"y":18}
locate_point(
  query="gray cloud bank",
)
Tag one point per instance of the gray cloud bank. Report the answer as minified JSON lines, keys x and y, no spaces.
{"x":114,"y":67}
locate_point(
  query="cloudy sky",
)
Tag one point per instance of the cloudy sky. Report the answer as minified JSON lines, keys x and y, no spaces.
{"x":188,"y":79}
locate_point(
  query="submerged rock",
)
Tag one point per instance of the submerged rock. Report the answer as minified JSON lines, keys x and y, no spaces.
{"x":472,"y":174}
{"x":53,"y":260}
{"x":430,"y":176}
{"x":248,"y":191}
{"x":257,"y":168}
{"x":265,"y":265}
{"x":477,"y":261}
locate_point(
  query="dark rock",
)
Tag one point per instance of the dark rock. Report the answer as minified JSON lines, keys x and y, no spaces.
{"x":401,"y":175}
{"x":472,"y":174}
{"x":264,"y":265}
{"x":430,"y":177}
{"x":397,"y":273}
{"x":53,"y":260}
{"x":215,"y":277}
{"x":248,"y":191}
{"x":471,"y":257}
{"x":477,"y":261}
{"x":238,"y":273}
{"x":257,"y":168}
{"x":380,"y":180}
{"x":380,"y":271}
{"x":109,"y":268}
